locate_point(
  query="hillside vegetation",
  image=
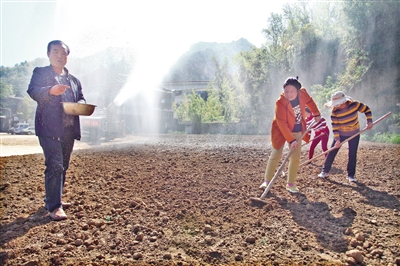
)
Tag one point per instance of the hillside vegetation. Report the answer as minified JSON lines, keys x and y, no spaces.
{"x":350,"y":46}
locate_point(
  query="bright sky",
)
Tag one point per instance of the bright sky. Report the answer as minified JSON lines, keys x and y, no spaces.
{"x":159,"y":31}
{"x":167,"y":27}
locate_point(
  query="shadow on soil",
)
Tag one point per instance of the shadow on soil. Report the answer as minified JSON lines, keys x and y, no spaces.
{"x":373,"y":197}
{"x":21,"y":226}
{"x":317,"y":218}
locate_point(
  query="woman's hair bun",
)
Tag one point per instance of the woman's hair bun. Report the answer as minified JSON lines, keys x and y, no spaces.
{"x":292,"y":81}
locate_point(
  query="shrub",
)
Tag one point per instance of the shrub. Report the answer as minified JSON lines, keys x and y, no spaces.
{"x":383,"y":138}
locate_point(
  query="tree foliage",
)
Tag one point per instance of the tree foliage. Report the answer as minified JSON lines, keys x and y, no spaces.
{"x":220,"y":105}
{"x":198,"y":64}
{"x":213,"y":108}
{"x":102,"y":76}
{"x":14,"y":82}
{"x":17,"y":78}
{"x":350,"y":46}
{"x":6,"y":90}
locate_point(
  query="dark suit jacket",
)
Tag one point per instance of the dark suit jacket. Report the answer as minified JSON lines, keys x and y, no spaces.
{"x":49,"y":111}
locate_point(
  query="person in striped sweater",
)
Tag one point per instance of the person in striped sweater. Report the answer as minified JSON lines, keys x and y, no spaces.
{"x":344,"y":119}
{"x":321,"y":133}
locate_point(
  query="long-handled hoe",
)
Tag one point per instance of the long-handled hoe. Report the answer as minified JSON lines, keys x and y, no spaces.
{"x":278,"y":171}
{"x":311,"y":140}
{"x":346,"y":140}
{"x":261,"y":201}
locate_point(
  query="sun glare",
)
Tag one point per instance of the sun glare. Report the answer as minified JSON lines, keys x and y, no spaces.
{"x":158,"y":32}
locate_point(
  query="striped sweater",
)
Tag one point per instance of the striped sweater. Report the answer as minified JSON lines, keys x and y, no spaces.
{"x":345,"y":121}
{"x":319,"y":127}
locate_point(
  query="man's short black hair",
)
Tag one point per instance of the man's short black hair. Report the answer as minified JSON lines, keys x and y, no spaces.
{"x":57,"y":42}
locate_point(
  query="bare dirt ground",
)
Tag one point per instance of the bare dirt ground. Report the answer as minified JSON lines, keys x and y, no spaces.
{"x":185,"y":200}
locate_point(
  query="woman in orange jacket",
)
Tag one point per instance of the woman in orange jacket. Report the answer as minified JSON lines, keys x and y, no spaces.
{"x":288,"y":126}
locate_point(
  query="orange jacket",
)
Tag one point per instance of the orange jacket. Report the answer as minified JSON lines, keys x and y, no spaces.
{"x":284,"y":118}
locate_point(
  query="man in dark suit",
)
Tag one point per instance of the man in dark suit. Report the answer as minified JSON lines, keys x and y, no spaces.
{"x":49,"y":87}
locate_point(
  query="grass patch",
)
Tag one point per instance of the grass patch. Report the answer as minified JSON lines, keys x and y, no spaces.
{"x":392,"y":138}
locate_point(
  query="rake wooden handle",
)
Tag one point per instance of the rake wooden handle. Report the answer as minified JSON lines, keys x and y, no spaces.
{"x":263,"y":195}
{"x":346,"y":140}
{"x":311,"y":140}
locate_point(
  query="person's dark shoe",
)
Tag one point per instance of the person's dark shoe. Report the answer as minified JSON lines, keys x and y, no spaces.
{"x":58,"y":214}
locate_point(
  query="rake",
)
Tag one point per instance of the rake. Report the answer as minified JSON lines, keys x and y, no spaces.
{"x":279,"y":170}
{"x":346,"y":140}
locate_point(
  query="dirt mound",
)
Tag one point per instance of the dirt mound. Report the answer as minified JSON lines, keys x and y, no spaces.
{"x":185,"y":200}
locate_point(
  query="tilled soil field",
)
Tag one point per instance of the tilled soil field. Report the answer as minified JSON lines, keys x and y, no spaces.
{"x":185,"y":200}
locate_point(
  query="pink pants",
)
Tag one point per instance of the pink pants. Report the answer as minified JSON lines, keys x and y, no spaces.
{"x":324,"y":143}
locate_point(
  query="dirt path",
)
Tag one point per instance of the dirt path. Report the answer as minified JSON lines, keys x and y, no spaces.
{"x":29,"y":144}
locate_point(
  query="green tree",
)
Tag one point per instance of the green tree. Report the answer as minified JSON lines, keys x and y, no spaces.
{"x":372,"y":36}
{"x":17,"y":77}
{"x":228,"y":91}
{"x":182,"y":110}
{"x":196,"y":111}
{"x":229,"y":102}
{"x":192,"y":109}
{"x":213,"y":108}
{"x":252,"y":74}
{"x":274,"y":32}
{"x":5,"y":91}
{"x":14,"y":82}
{"x":27,"y":108}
